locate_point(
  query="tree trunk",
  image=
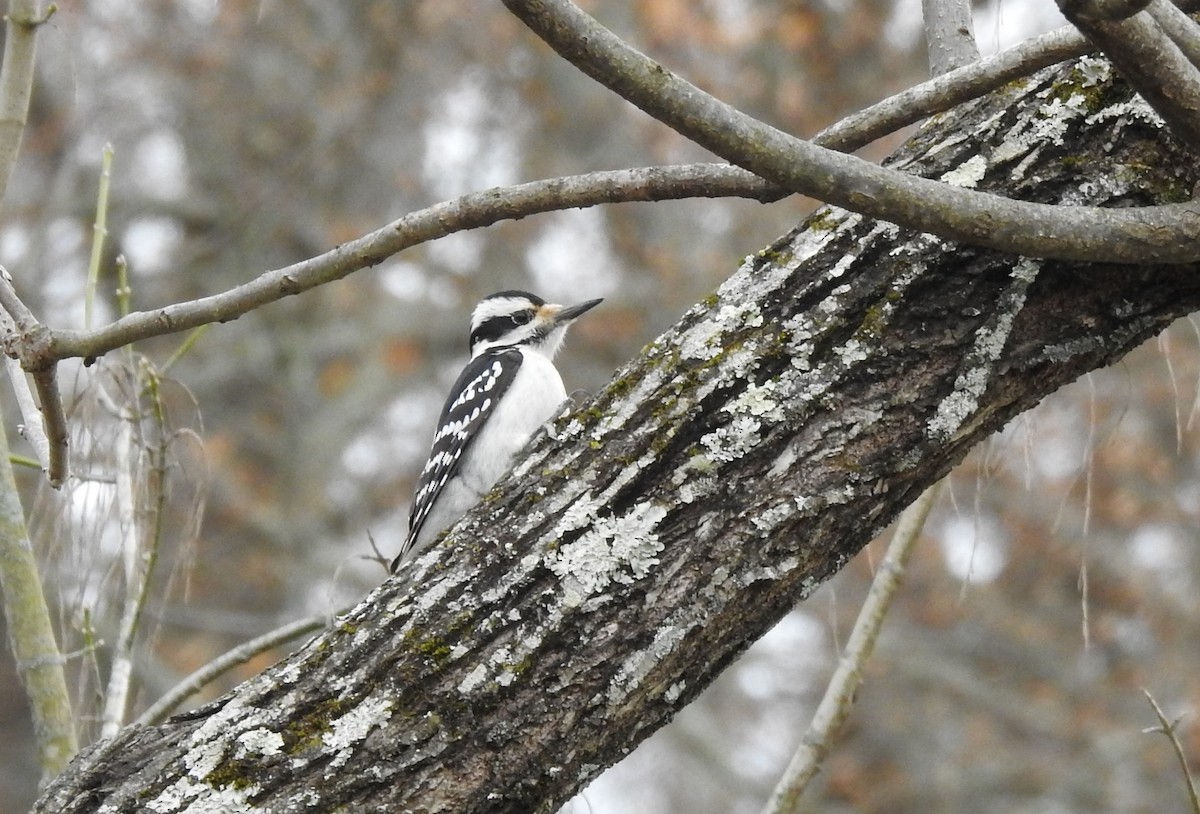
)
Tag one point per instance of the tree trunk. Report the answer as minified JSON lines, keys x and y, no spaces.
{"x":742,"y":459}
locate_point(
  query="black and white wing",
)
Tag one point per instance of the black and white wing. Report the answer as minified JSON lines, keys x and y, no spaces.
{"x":472,"y":400}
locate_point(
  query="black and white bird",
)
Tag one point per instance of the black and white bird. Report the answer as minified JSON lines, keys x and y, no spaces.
{"x":508,"y":389}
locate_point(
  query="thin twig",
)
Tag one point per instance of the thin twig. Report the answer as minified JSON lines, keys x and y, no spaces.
{"x":947,"y":90}
{"x":120,"y":673}
{"x":32,"y":428}
{"x":142,"y":541}
{"x":16,"y":78}
{"x":99,"y":233}
{"x":226,"y":662}
{"x":45,"y":382}
{"x":839,"y":695}
{"x":28,"y":337}
{"x":1168,"y":728}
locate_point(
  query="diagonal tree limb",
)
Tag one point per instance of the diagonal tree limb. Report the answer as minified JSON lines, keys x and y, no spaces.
{"x":634,"y":552}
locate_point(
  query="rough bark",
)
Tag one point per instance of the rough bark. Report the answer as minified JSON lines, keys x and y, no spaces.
{"x":743,"y":458}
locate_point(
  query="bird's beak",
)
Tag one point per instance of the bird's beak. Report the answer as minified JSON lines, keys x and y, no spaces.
{"x":570,"y":312}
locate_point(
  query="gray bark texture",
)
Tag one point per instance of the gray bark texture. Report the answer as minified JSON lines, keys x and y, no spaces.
{"x":655,"y":532}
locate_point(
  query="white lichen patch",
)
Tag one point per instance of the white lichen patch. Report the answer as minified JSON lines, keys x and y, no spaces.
{"x":639,"y":664}
{"x":979,"y":364}
{"x":352,"y":728}
{"x":289,"y":673}
{"x":851,"y":352}
{"x":967,"y":174}
{"x":1135,"y":109}
{"x":1056,"y":116}
{"x":436,"y":590}
{"x":473,"y":679}
{"x":1094,"y":71}
{"x":766,"y":521}
{"x":209,"y":744}
{"x":189,"y":797}
{"x":767,"y":573}
{"x":261,"y":741}
{"x":576,"y":516}
{"x":615,"y":549}
{"x":758,"y":400}
{"x":705,"y":339}
{"x":573,"y":429}
{"x":732,"y":441}
{"x":695,"y":488}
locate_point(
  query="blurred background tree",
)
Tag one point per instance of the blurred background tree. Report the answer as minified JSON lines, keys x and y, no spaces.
{"x":1059,"y":573}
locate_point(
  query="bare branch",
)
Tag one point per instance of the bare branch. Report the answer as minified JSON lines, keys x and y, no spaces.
{"x":1137,"y":235}
{"x":31,"y":633}
{"x":839,"y":695}
{"x":1145,"y":56}
{"x":1181,"y":28}
{"x":1168,"y":728}
{"x":944,"y":92}
{"x":136,"y":577}
{"x":16,"y":78}
{"x":471,"y":211}
{"x":32,"y":427}
{"x":45,"y":382}
{"x":226,"y":662}
{"x":949,"y":35}
{"x":28,"y":342}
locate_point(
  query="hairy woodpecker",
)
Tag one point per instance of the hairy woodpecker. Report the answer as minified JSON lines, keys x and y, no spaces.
{"x":507,"y":390}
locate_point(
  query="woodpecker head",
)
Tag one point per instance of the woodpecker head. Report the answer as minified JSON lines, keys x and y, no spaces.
{"x":518,"y":318}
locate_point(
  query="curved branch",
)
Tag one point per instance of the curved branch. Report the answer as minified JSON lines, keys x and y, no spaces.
{"x":471,"y":211}
{"x":1155,"y":234}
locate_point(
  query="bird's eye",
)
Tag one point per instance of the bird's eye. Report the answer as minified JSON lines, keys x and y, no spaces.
{"x":522,"y":317}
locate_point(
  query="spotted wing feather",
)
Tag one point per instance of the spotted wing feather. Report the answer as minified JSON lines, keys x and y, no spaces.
{"x":472,"y":400}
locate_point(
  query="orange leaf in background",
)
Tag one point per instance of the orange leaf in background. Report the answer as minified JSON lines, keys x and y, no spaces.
{"x":402,"y":356}
{"x":336,"y":376}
